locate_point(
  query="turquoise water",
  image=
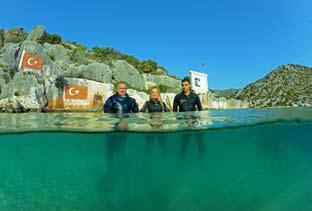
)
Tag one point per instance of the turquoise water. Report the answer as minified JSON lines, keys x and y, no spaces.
{"x":229,"y":160}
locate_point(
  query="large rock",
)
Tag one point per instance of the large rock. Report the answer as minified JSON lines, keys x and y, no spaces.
{"x":26,"y":91}
{"x":95,"y":71}
{"x":3,"y":82}
{"x":165,"y":83}
{"x":36,"y":34}
{"x":96,"y":95}
{"x":37,"y":49}
{"x":9,"y":105}
{"x":123,"y":71}
{"x":34,"y":48}
{"x":56,"y":52}
{"x":9,"y":55}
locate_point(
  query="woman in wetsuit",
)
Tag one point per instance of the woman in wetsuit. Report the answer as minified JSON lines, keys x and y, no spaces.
{"x":155,"y":106}
{"x":155,"y":103}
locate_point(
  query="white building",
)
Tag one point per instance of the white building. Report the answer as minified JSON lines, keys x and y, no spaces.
{"x":199,"y":82}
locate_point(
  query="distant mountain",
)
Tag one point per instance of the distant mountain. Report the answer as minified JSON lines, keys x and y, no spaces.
{"x":287,"y":85}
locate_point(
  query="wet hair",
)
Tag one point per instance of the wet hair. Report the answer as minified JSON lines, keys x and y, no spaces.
{"x":186,"y":79}
{"x":158,"y":90}
{"x":119,"y":83}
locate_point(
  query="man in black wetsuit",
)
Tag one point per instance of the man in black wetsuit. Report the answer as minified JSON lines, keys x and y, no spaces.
{"x":121,"y":102}
{"x":187,"y":100}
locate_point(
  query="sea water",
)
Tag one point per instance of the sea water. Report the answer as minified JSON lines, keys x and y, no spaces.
{"x":252,"y":159}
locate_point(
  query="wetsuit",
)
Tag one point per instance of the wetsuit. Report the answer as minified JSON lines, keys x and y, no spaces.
{"x":154,"y":106}
{"x":187,"y":103}
{"x":120,"y":104}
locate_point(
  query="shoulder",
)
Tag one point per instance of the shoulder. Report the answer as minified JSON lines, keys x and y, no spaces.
{"x":146,"y":103}
{"x":178,"y":96}
{"x":111,"y":97}
{"x":195,"y":95}
{"x":132,"y":99}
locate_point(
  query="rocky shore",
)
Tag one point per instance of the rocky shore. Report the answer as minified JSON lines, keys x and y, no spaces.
{"x":68,"y":63}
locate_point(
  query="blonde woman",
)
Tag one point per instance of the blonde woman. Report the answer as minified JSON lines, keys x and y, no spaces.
{"x":154,"y":104}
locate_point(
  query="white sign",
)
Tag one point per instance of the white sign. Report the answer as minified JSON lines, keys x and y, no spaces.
{"x":199,"y":82}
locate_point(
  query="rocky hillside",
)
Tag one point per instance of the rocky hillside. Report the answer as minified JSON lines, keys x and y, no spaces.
{"x":288,"y":85}
{"x":70,"y":59}
{"x":39,"y":71}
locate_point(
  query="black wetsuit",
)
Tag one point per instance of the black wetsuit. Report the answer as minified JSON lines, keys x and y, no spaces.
{"x":187,"y":103}
{"x":120,"y":104}
{"x":154,"y":106}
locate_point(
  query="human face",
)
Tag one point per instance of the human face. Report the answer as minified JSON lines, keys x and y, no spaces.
{"x":122,"y":89}
{"x":186,"y":87}
{"x":154,"y":94}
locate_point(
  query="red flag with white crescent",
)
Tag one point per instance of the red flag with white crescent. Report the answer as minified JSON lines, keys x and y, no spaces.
{"x":30,"y":61}
{"x":76,"y":92}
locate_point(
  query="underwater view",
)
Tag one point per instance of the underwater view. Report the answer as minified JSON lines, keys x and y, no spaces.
{"x":248,"y":159}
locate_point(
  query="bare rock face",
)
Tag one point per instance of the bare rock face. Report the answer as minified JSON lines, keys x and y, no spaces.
{"x":95,"y":71}
{"x":122,"y":71}
{"x":24,"y":92}
{"x":165,"y":82}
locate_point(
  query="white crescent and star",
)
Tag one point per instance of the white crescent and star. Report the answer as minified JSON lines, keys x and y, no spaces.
{"x":32,"y":61}
{"x":73,"y":91}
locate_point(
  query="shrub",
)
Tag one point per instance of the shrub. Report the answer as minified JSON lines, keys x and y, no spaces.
{"x":164,"y":88}
{"x":60,"y":82}
{"x":108,"y":54}
{"x":53,"y":39}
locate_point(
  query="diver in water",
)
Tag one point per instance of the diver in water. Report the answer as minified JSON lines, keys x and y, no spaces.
{"x":155,"y":106}
{"x":121,"y":102}
{"x":187,"y":100}
{"x":155,"y":103}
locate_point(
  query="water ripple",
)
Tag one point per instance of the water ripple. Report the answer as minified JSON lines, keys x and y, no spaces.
{"x":144,"y":122}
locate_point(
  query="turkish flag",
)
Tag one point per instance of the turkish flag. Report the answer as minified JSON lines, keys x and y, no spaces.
{"x":76,"y":92}
{"x":29,"y":61}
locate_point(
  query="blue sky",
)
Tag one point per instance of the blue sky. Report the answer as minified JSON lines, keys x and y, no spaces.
{"x":238,"y":40}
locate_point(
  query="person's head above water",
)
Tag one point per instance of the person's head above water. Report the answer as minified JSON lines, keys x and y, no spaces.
{"x":186,"y":86}
{"x":121,"y":88}
{"x":155,"y":94}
